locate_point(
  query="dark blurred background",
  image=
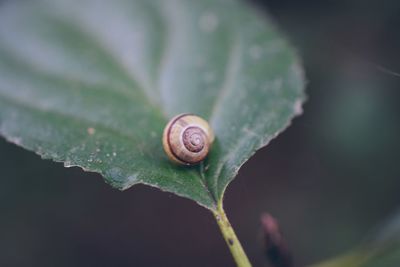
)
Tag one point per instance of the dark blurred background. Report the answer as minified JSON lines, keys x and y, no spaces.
{"x":330,"y":179}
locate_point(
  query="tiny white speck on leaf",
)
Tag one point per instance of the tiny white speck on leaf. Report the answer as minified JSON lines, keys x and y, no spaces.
{"x":67,"y":164}
{"x":298,"y":107}
{"x":16,"y":140}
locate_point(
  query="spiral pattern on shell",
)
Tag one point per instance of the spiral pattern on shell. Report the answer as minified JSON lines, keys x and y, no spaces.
{"x":187,"y":139}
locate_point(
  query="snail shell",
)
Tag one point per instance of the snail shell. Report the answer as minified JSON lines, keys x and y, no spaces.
{"x":187,"y":139}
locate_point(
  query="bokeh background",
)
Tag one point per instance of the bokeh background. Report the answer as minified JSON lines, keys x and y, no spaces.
{"x":331,"y":179}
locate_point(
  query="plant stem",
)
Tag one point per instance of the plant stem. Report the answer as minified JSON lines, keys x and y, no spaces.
{"x":230,"y":237}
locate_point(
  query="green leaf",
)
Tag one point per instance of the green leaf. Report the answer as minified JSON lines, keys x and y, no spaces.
{"x":93,"y":83}
{"x":382,"y":248}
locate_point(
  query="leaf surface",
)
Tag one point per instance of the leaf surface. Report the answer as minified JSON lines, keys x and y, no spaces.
{"x":93,"y":83}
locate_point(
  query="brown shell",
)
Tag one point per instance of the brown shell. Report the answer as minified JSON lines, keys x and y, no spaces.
{"x":187,"y":139}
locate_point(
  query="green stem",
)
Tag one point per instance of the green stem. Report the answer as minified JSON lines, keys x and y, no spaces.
{"x":230,"y":237}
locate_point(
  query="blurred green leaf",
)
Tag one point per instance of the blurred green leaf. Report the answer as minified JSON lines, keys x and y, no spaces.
{"x":382,"y":249}
{"x":92,"y":84}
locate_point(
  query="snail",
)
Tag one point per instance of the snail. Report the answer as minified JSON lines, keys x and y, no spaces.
{"x":187,"y":139}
